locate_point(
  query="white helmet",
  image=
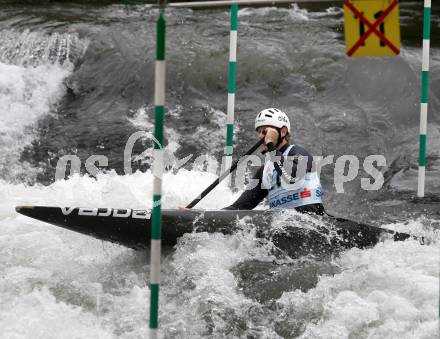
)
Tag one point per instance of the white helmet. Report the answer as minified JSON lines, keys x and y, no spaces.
{"x":272,"y":117}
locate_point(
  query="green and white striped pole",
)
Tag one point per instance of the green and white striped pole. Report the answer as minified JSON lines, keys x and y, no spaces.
{"x":229,"y":149}
{"x":159,"y":110}
{"x":424,"y":98}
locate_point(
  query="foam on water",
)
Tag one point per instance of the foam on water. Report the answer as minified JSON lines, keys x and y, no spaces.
{"x":58,"y":284}
{"x":112,"y":190}
{"x":199,"y":276}
{"x":39,"y":315}
{"x":295,"y":13}
{"x":67,"y":285}
{"x":389,"y":291}
{"x":210,"y":134}
{"x":34,"y":48}
{"x":26,"y":94}
{"x":33,"y":66}
{"x":52,"y":275}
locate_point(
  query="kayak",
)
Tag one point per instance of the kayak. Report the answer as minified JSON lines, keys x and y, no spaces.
{"x":292,"y":232}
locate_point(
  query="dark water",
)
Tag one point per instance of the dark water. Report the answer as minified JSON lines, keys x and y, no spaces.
{"x":78,"y":79}
{"x":337,"y":105}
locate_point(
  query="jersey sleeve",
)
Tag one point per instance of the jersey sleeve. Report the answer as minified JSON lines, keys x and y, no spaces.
{"x":250,"y":198}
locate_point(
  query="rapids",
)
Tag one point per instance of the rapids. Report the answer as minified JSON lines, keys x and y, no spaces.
{"x":78,"y":79}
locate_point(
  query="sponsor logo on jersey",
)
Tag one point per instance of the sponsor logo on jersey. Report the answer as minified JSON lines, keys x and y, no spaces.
{"x":318,"y":193}
{"x":304,"y":194}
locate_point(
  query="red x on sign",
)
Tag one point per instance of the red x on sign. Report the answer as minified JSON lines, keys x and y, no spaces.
{"x":372,"y":27}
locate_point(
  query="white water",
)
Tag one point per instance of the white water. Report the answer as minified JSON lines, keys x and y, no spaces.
{"x":389,"y":291}
{"x":33,"y":67}
{"x":58,"y":284}
{"x":210,"y":137}
{"x":26,"y":94}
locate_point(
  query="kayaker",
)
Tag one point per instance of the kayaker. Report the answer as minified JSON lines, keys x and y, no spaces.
{"x":283,"y":190}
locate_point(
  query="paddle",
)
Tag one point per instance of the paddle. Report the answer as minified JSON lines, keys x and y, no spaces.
{"x":223,"y":175}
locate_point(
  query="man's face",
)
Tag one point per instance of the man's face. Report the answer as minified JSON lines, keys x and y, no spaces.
{"x":261,"y":131}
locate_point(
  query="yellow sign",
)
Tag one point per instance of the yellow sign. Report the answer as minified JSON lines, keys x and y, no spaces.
{"x":372,"y":27}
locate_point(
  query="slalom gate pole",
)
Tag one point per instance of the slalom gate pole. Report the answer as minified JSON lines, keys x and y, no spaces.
{"x":159,"y":110}
{"x":229,"y":149}
{"x":424,"y":98}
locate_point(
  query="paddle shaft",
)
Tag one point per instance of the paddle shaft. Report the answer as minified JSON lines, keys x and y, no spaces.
{"x":223,"y":175}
